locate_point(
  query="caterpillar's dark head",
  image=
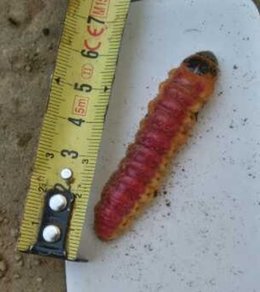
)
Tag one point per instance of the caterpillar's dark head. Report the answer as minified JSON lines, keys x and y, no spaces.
{"x":202,"y":63}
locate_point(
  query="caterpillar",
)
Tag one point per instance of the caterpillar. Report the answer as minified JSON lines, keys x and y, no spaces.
{"x":161,"y":134}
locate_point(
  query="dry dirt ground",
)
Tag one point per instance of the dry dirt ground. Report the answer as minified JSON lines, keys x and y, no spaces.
{"x":29,"y":35}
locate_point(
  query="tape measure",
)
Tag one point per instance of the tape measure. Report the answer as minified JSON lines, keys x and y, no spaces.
{"x":72,"y":128}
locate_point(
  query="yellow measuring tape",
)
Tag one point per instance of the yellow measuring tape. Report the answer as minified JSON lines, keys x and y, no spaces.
{"x":73,"y":123}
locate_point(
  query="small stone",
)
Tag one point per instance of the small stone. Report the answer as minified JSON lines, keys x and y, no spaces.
{"x":20,"y":263}
{"x":39,"y":279}
{"x":3,"y":268}
{"x":6,"y":220}
{"x":17,"y":276}
{"x":19,"y":260}
{"x":13,"y":232}
{"x":28,"y":68}
{"x":46,"y":31}
{"x":36,"y":262}
{"x":18,"y":257}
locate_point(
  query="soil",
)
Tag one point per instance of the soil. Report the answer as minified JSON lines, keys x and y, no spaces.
{"x":29,"y":34}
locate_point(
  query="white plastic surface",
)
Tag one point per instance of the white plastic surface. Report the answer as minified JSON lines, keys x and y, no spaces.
{"x":202,"y":234}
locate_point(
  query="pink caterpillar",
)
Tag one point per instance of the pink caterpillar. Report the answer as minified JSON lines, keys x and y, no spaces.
{"x":162,"y":132}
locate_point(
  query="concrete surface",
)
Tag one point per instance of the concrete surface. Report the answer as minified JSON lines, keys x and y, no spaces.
{"x":29,"y":35}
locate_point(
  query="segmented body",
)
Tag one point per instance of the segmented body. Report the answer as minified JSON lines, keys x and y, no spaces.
{"x":162,"y":132}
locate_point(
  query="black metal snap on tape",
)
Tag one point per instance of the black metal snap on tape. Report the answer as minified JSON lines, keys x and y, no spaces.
{"x":52,"y":234}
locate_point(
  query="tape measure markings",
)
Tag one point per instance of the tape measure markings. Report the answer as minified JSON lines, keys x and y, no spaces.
{"x":57,"y":145}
